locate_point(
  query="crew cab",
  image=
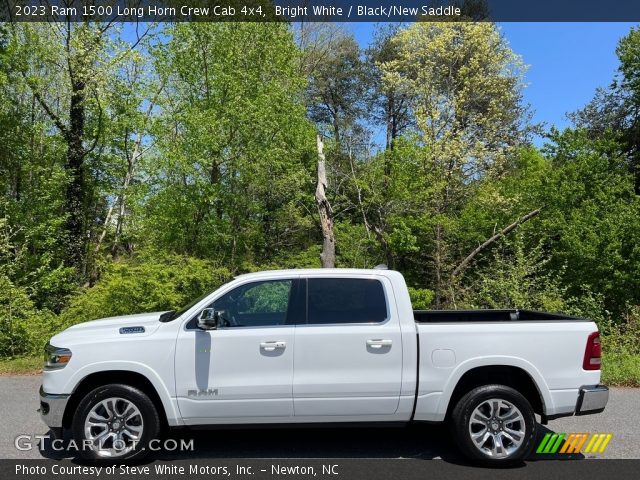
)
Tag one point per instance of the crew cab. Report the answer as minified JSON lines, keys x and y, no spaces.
{"x":320,"y":346}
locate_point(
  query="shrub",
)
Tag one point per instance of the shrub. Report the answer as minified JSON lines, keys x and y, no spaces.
{"x":421,"y":298}
{"x":515,"y":278}
{"x":147,"y":283}
{"x":621,"y":350}
{"x":19,"y":321}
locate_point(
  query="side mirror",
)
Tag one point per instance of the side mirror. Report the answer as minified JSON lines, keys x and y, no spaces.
{"x":208,"y":319}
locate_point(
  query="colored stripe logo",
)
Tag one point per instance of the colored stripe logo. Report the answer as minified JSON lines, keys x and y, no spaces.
{"x":574,"y":442}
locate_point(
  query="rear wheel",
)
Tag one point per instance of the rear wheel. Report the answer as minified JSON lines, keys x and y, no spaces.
{"x":115,"y":422}
{"x":494,"y":424}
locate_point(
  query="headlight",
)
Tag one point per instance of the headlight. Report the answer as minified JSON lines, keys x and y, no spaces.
{"x":56,"y":358}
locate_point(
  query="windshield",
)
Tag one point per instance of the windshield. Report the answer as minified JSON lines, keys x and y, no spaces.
{"x":173,"y":314}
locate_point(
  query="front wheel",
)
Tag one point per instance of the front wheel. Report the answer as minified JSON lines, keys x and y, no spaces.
{"x":494,"y":424}
{"x":115,"y":422}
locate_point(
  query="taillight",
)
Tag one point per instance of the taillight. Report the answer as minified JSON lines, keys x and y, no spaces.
{"x":593,"y":353}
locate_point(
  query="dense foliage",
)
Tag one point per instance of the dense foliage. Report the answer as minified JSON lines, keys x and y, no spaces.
{"x":139,"y":169}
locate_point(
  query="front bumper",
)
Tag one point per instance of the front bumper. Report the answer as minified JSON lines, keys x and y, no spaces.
{"x":52,"y":408}
{"x":592,"y":399}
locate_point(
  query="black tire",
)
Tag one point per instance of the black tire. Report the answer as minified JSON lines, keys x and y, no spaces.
{"x":146,"y":418}
{"x":490,"y":453}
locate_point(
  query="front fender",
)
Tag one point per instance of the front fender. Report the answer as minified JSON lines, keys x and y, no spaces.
{"x":70,"y":384}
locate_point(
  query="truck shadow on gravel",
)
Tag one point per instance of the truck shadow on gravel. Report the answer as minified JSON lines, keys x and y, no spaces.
{"x":422,"y":442}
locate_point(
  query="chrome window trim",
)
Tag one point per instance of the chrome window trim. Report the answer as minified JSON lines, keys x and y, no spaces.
{"x":206,"y":302}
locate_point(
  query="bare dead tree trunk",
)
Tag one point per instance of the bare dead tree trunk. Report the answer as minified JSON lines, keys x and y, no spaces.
{"x":105,"y":225}
{"x":488,"y":242}
{"x":328,"y":255}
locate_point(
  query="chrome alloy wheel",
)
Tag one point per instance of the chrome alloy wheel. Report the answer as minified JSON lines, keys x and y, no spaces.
{"x":497,"y":428}
{"x":113,"y":427}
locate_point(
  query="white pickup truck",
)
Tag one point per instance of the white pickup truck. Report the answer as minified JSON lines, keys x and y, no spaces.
{"x":320,"y":346}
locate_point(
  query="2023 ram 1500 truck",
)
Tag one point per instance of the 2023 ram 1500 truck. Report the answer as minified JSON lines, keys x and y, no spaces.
{"x":320,"y":346}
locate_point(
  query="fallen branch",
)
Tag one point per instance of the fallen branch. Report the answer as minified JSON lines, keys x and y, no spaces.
{"x":489,"y":241}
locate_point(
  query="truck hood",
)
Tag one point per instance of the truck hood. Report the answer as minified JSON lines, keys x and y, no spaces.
{"x":125,"y":326}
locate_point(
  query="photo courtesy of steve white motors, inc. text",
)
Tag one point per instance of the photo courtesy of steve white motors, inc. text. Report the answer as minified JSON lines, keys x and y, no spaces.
{"x":326,"y":469}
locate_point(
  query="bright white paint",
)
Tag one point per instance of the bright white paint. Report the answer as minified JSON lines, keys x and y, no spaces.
{"x":322,"y":373}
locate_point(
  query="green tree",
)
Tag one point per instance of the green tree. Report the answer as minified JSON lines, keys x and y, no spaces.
{"x":337,"y":88}
{"x":232,"y":176}
{"x":586,"y":234}
{"x":617,"y":108}
{"x":594,"y":218}
{"x":64,"y":70}
{"x":465,"y":87}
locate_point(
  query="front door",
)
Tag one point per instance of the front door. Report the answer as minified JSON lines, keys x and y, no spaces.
{"x":243,"y":369}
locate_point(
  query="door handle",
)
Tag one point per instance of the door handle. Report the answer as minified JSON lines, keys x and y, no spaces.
{"x":271,"y":346}
{"x":379,"y":343}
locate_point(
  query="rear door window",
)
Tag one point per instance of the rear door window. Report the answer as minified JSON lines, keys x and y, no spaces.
{"x":345,"y":301}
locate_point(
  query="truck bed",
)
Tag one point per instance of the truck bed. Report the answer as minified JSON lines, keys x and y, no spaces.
{"x":459,"y":316}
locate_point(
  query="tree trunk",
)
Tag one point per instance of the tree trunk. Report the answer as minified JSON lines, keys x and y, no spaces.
{"x":105,"y":226}
{"x":438,"y":264}
{"x":122,"y":205}
{"x":328,"y":255}
{"x":73,"y":133}
{"x":386,"y":248}
{"x":367,"y":226}
{"x":75,"y":194}
{"x":392,"y":129}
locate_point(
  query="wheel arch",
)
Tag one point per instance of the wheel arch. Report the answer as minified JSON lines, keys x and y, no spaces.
{"x":508,"y":374}
{"x":118,"y":377}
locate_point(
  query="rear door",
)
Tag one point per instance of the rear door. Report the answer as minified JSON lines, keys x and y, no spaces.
{"x":348,"y":354}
